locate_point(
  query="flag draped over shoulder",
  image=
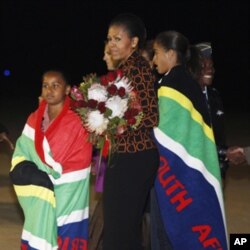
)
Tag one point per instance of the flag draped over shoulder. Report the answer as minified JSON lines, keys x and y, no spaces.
{"x":50,"y":172}
{"x":188,"y":184}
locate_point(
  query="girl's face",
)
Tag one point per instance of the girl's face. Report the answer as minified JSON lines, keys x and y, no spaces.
{"x":54,"y":88}
{"x":121,"y":46}
{"x":161,"y":59}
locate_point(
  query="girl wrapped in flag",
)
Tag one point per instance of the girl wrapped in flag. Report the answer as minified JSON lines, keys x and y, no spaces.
{"x":50,"y":172}
{"x":188,"y":185}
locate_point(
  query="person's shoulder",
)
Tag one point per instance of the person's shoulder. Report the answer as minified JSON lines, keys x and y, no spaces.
{"x":73,"y":120}
{"x":213,"y":92}
{"x":137,"y":68}
{"x":142,"y":62}
{"x":73,"y":116}
{"x":213,"y":89}
{"x":32,"y":118}
{"x":178,"y":76}
{"x":137,"y":61}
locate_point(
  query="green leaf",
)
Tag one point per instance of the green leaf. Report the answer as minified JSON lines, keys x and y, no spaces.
{"x":107,"y":113}
{"x":100,"y":142}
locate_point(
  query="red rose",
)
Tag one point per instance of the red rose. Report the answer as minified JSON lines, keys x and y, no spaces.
{"x":121,"y":92}
{"x":77,"y":104}
{"x":101,"y":107}
{"x":131,"y":121}
{"x":127,"y":114}
{"x":112,"y":89}
{"x":119,"y":73}
{"x":83,"y":104}
{"x":92,"y":103}
{"x":111,"y":76}
{"x":104,"y":80}
{"x":73,"y":104}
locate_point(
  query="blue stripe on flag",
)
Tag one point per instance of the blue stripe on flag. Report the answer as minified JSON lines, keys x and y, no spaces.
{"x":192,"y":220}
{"x":76,"y":235}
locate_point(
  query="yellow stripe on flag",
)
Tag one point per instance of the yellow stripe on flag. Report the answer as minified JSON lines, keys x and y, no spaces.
{"x":36,"y":191}
{"x":187,"y":104}
{"x":16,"y":160}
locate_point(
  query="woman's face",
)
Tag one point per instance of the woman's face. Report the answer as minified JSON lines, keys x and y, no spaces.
{"x":108,"y":59}
{"x":161,"y":59}
{"x":207,"y":71}
{"x":121,"y":46}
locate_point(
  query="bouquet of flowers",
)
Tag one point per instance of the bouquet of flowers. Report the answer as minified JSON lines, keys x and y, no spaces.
{"x":108,"y":106}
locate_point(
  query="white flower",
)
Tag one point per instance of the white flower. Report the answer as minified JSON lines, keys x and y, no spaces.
{"x":124,"y":82}
{"x":96,"y":122}
{"x":97,"y":92}
{"x":117,"y":105}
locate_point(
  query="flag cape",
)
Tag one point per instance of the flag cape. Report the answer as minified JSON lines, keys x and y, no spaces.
{"x":188,"y":184}
{"x":55,"y":218}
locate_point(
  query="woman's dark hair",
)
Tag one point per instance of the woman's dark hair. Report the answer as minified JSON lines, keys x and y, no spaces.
{"x":176,"y":41}
{"x":133,"y":25}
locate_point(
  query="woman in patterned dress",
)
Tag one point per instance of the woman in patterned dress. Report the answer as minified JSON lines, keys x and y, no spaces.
{"x":135,"y":158}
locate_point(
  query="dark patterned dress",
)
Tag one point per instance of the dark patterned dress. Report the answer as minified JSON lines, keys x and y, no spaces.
{"x":132,"y":169}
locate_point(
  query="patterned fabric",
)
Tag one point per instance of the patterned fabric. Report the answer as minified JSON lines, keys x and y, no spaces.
{"x":188,"y":184}
{"x":137,"y":69}
{"x":55,"y":217}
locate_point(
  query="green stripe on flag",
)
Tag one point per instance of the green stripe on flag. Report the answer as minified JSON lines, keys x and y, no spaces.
{"x":78,"y":194}
{"x":177,"y":109}
{"x":35,"y":222}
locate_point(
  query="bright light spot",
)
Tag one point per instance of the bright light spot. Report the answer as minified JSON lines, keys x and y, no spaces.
{"x":6,"y":72}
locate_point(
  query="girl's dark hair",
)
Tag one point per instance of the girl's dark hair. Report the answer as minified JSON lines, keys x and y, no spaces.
{"x":63,"y":75}
{"x":176,"y":41}
{"x":133,"y":25}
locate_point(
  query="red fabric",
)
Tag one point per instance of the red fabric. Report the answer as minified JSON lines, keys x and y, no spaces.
{"x":105,"y":150}
{"x":24,"y":246}
{"x":67,"y":138}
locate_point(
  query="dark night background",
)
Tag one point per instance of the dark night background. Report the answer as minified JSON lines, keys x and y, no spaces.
{"x":40,"y":35}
